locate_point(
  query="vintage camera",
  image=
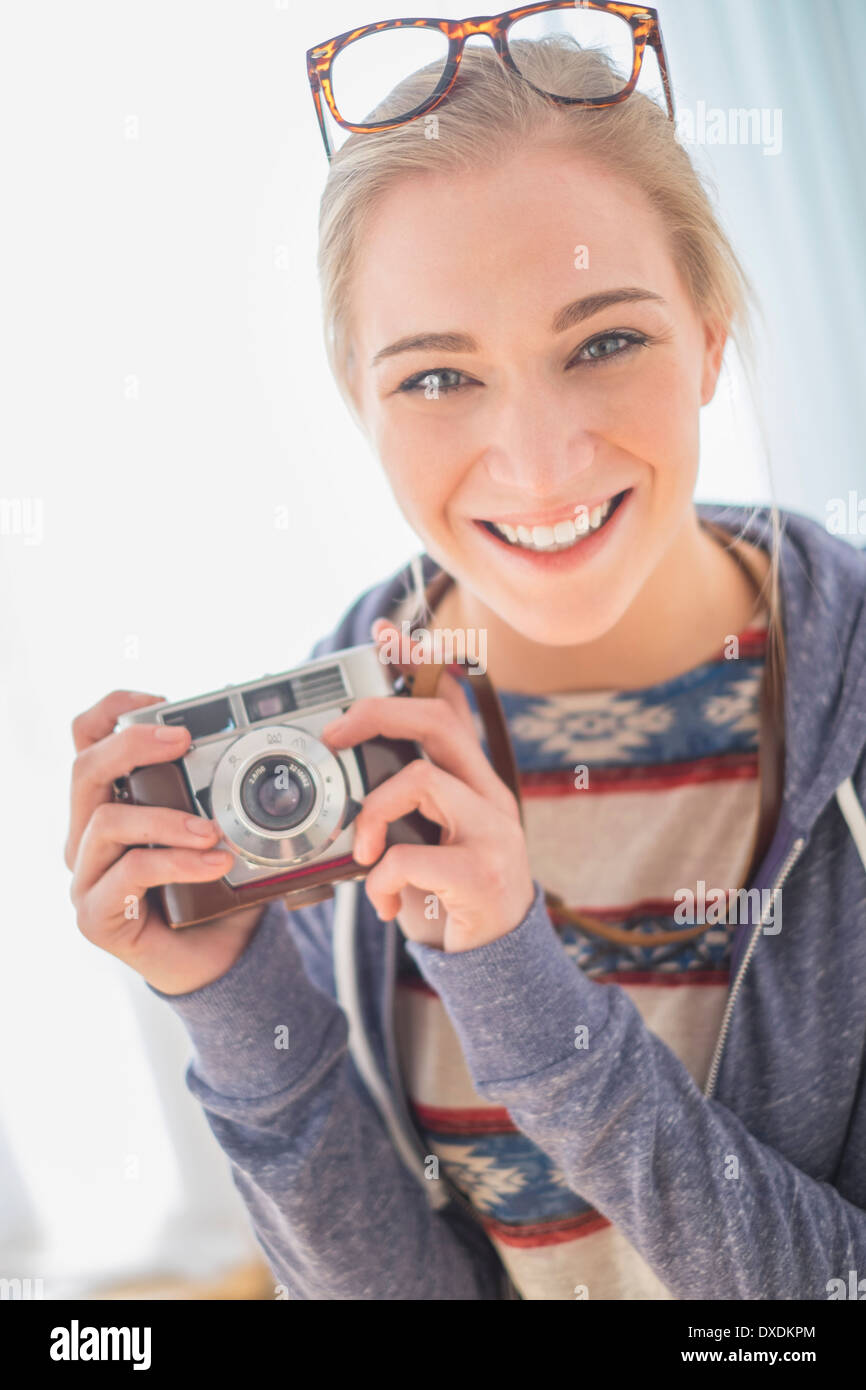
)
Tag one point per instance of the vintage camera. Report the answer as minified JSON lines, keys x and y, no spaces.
{"x":285,"y":802}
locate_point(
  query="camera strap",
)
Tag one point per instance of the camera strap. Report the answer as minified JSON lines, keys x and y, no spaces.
{"x":424,"y":678}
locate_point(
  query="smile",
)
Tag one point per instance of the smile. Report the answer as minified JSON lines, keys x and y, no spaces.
{"x":563,"y":535}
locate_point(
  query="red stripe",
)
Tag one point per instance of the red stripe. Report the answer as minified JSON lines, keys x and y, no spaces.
{"x":622,"y":912}
{"x":752,"y":643}
{"x":732,"y":767}
{"x":547,"y":1232}
{"x":456,"y":1120}
{"x":299,"y":873}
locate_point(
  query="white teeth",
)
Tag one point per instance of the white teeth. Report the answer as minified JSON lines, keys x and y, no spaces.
{"x":562,"y":535}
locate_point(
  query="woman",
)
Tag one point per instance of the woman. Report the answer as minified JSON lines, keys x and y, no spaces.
{"x":620,"y":1090}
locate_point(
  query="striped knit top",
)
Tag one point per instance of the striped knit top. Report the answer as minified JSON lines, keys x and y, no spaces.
{"x":629,"y":798}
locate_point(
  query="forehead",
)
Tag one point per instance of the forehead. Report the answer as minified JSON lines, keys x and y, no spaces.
{"x":475,"y":250}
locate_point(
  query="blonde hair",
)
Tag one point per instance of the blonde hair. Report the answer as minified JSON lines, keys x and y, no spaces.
{"x":488,"y":116}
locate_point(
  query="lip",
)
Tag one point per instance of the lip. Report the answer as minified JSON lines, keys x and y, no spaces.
{"x":555,"y":561}
{"x":550,"y":518}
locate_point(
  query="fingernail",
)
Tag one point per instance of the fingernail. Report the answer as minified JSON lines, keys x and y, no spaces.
{"x":170,"y":733}
{"x":198,"y":826}
{"x":215,"y":856}
{"x":335,"y":727}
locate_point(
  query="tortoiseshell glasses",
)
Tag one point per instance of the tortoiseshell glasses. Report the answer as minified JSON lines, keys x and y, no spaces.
{"x":357,"y":69}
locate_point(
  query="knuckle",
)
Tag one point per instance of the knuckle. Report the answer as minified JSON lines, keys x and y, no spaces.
{"x":80,"y":770}
{"x":103,"y":818}
{"x":83,"y":921}
{"x":424,"y":773}
{"x":493,"y":874}
{"x":135,"y":862}
{"x":442,"y":712}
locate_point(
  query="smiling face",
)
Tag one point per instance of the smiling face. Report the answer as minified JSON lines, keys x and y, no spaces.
{"x":538,"y":422}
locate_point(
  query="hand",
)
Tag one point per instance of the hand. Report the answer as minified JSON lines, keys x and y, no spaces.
{"x":109,"y":877}
{"x":479,"y":874}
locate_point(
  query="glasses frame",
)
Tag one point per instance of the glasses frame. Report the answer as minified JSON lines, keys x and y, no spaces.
{"x":641,"y":19}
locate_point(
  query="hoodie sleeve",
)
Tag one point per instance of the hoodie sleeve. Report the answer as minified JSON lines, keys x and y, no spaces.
{"x":631,"y":1131}
{"x":336,"y":1211}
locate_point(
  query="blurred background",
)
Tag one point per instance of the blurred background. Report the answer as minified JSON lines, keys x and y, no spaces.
{"x":186,"y":502}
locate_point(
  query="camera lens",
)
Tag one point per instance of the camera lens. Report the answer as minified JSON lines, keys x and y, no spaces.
{"x":277,"y":792}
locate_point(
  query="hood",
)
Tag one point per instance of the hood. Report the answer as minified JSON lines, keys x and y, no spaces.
{"x":823,"y":602}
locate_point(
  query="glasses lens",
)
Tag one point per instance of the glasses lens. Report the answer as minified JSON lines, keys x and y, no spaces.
{"x":605,"y":33}
{"x":377,"y":77}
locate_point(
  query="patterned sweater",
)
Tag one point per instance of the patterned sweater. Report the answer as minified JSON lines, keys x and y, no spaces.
{"x":630,"y":798}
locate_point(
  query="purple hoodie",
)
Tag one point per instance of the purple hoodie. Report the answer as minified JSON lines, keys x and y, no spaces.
{"x":321,"y":1144}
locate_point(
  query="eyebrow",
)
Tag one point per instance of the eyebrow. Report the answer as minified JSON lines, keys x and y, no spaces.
{"x":572,"y":314}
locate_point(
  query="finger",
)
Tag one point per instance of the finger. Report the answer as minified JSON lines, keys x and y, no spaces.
{"x":446,"y":873}
{"x":448,"y":687}
{"x":432,"y":723}
{"x":419,"y":786}
{"x":96,"y":767}
{"x":115,"y":902}
{"x":98,"y":721}
{"x":114,"y":827}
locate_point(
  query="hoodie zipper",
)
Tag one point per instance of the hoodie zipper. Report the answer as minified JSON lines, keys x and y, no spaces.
{"x":790,"y":860}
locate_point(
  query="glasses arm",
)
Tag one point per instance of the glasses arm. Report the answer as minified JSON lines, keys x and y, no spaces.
{"x":658,"y":45}
{"x":316,"y":89}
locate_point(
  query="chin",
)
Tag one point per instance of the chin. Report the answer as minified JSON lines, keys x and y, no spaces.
{"x":558,"y":625}
{"x":562,"y":631}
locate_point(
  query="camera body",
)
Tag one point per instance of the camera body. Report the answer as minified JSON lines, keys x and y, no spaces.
{"x":284,"y":801}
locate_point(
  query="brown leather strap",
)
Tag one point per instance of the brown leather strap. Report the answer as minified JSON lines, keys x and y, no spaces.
{"x":424,"y":679}
{"x":489,"y":705}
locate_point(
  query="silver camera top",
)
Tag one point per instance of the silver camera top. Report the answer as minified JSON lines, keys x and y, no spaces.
{"x":330,"y":681}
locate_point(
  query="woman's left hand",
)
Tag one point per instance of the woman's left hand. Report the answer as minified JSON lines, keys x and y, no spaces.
{"x":478,"y":876}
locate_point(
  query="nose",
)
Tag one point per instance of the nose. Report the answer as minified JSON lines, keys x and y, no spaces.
{"x":537,"y":447}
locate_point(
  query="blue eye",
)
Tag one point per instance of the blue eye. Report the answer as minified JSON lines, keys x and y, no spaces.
{"x":629,"y":339}
{"x":432,"y":384}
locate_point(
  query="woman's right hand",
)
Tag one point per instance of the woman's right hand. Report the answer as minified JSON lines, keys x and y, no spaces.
{"x":109,"y":877}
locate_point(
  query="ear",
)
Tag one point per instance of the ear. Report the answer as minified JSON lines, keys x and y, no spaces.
{"x":715,"y":338}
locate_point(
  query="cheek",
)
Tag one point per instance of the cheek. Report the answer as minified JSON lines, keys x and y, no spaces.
{"x":660,"y":423}
{"x":422,"y":465}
